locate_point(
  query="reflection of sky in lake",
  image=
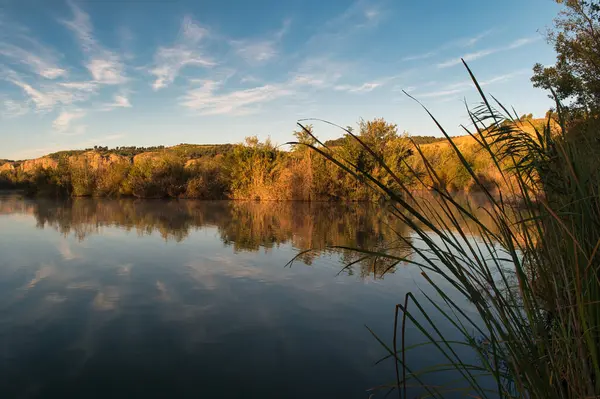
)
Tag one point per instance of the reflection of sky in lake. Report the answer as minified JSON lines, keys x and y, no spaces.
{"x":155,"y":299}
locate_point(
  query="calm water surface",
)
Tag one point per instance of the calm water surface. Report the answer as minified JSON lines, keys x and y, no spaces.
{"x":144,"y":299}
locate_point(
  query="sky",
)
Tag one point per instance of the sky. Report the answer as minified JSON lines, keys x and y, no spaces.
{"x":74,"y":74}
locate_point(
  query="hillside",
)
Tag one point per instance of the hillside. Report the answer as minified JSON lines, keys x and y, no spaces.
{"x":252,"y":171}
{"x":196,"y":151}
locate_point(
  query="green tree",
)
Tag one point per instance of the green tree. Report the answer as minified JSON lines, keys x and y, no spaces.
{"x":377,"y":133}
{"x":304,"y":138}
{"x":576,"y":38}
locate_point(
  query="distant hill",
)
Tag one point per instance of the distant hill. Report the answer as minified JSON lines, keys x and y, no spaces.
{"x":256,"y":171}
{"x":190,"y":151}
{"x":194,"y":151}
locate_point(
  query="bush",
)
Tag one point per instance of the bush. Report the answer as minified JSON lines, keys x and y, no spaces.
{"x":206,"y":182}
{"x":110,"y":180}
{"x":157,"y":177}
{"x":83,"y":179}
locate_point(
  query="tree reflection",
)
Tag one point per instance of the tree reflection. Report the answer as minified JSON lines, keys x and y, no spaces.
{"x":313,"y":229}
{"x":245,"y":226}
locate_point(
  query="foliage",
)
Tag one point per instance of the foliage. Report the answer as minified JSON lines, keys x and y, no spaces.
{"x":157,"y":178}
{"x":64,"y":154}
{"x":531,"y":276}
{"x":576,"y":74}
{"x":191,"y":151}
{"x":207,"y":180}
{"x":83,"y":179}
{"x":195,"y":151}
{"x":416,"y":139}
{"x":111,"y":180}
{"x":260,"y":170}
{"x":252,"y":168}
{"x":6,"y":182}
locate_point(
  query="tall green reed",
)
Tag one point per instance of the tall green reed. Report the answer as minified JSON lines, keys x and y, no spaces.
{"x":532,"y":275}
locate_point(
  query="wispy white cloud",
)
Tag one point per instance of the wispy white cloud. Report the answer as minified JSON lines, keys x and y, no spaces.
{"x":460,"y":87}
{"x":107,"y":70}
{"x":122,"y":101}
{"x":169,"y":61}
{"x":319,"y":72}
{"x":440,"y":93}
{"x":192,"y":31}
{"x":337,"y":32}
{"x":104,"y":65}
{"x":364,"y":88}
{"x":484,"y":53}
{"x":476,"y":39}
{"x":360,"y":14}
{"x":422,"y":56}
{"x":82,"y":27}
{"x":63,"y":122}
{"x":119,"y":101}
{"x":522,"y":42}
{"x":207,"y":101}
{"x":80,"y":86}
{"x":256,"y":52}
{"x":42,"y":62}
{"x":505,"y":77}
{"x":465,"y":42}
{"x":314,"y":74}
{"x":13,"y":109}
{"x":46,"y":98}
{"x":310,"y":80}
{"x":44,"y":95}
{"x":467,"y":57}
{"x":260,"y":51}
{"x":372,"y":85}
{"x":249,"y":79}
{"x":48,"y":87}
{"x":372,"y":14}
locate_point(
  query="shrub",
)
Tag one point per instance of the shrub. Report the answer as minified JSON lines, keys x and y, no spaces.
{"x":110,"y":180}
{"x":83,"y":179}
{"x":206,"y":182}
{"x":157,"y":177}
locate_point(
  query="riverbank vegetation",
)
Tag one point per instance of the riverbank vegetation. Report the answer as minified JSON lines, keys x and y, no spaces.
{"x":531,"y":273}
{"x":252,"y":170}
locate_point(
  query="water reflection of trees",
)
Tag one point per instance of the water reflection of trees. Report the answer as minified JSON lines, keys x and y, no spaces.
{"x":245,"y":226}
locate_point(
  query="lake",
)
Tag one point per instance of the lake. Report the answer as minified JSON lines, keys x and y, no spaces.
{"x":128,"y":298}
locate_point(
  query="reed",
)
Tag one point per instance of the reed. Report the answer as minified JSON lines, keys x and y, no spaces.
{"x":532,"y":274}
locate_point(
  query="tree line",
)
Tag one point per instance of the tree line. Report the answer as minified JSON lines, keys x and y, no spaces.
{"x":255,"y":170}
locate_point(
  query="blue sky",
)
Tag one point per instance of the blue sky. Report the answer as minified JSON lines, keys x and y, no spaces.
{"x":136,"y":72}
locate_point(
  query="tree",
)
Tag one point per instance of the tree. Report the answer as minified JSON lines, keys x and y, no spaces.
{"x":303,"y":176}
{"x":576,"y":75}
{"x":303,"y":138}
{"x":526,"y":117}
{"x":377,"y":133}
{"x":251,"y":141}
